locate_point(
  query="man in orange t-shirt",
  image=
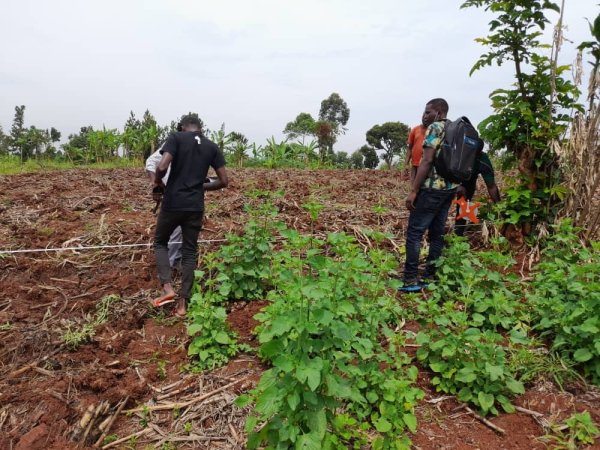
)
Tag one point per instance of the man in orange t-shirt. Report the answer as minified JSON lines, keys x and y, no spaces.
{"x":415,"y":148}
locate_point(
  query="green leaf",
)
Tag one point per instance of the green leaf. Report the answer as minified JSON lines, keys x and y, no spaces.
{"x":243,"y":401}
{"x":309,"y":375}
{"x":284,"y":362}
{"x":251,"y":423}
{"x":223,"y":338}
{"x":466,"y":375}
{"x":310,"y":441}
{"x":281,"y":325}
{"x":582,"y":355}
{"x":495,"y":372}
{"x":317,"y":423}
{"x":515,"y":386}
{"x":194,"y":328}
{"x":293,"y":400}
{"x":267,"y":402}
{"x":438,"y":366}
{"x":411,"y":422}
{"x":486,"y":401}
{"x":382,"y":425}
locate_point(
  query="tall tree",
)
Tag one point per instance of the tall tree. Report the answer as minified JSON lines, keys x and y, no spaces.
{"x":535,"y":112}
{"x":303,"y":126}
{"x":236,"y":149}
{"x":390,"y":137}
{"x":371,"y":160}
{"x":326,"y":137}
{"x":17,"y":130}
{"x":335,"y":110}
{"x":333,"y":117}
{"x":32,"y":142}
{"x":356,"y":160}
{"x":131,"y":137}
{"x":342,"y":160}
{"x":4,"y":142}
{"x":76,"y":148}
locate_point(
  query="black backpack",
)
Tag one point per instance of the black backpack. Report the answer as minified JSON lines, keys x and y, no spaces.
{"x":457,"y":157}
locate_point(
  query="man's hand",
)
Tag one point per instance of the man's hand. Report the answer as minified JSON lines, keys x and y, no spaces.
{"x":410,"y":200}
{"x":461,"y":191}
{"x":157,"y":192}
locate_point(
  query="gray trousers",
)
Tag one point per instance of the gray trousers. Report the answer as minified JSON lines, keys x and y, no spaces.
{"x":175,"y":247}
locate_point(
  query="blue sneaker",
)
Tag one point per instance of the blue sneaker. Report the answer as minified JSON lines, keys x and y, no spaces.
{"x":410,"y":288}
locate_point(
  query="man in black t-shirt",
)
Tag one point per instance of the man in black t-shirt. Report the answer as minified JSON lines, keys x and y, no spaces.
{"x":190,"y":155}
{"x":467,"y":189}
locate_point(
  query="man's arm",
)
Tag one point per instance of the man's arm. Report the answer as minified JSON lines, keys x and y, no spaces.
{"x":220,"y":183}
{"x":162,"y":167}
{"x":422,"y":172}
{"x":151,"y":164}
{"x":494,"y":192}
{"x":408,"y":156}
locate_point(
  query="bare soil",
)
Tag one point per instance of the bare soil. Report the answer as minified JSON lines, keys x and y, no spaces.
{"x":46,"y":386}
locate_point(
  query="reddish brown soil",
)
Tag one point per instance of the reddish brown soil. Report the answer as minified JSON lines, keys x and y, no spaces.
{"x":45,"y":387}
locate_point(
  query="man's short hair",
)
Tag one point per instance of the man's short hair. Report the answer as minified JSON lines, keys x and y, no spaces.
{"x":190,"y":120}
{"x":440,"y":105}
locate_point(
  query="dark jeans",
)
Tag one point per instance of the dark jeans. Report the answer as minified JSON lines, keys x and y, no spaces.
{"x":191,"y":224}
{"x":430,"y":213}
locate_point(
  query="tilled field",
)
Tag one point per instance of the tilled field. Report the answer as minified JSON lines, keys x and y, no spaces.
{"x":137,"y":355}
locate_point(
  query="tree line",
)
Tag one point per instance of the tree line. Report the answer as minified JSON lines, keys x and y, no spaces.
{"x":308,"y":141}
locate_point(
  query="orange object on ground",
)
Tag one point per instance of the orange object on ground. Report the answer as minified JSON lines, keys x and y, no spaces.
{"x":466,"y":209}
{"x":415,"y":143}
{"x":163,"y":300}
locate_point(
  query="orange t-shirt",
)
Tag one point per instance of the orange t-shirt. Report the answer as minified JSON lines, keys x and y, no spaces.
{"x":415,"y":139}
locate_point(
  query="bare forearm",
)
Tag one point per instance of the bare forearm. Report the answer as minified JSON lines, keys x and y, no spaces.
{"x":494,"y":193}
{"x":150,"y":175}
{"x":220,"y":183}
{"x":214,"y":185}
{"x":421,"y":175}
{"x":159,"y":174}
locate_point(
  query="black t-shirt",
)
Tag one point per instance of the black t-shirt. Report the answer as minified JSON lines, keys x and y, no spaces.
{"x":193,"y":154}
{"x":483,"y":167}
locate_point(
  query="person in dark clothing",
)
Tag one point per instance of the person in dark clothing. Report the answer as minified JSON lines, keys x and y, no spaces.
{"x":428,"y":201}
{"x":190,"y":154}
{"x":467,"y":189}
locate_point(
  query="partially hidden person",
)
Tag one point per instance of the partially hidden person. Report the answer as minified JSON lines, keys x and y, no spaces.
{"x":175,"y":238}
{"x":190,"y":155}
{"x":428,"y":201}
{"x":415,"y":147}
{"x":483,"y":167}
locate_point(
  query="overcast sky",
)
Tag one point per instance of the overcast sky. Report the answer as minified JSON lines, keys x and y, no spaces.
{"x":253,"y":64}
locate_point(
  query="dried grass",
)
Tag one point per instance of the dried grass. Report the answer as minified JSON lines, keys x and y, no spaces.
{"x":580,"y":158}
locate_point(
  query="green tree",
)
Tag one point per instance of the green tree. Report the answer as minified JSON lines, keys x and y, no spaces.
{"x":4,"y":142}
{"x":53,"y":136}
{"x":102,"y":145}
{"x":32,"y":142}
{"x":303,"y":126}
{"x":236,"y":148}
{"x":333,"y":117}
{"x":356,"y":160}
{"x":326,"y":137}
{"x":76,"y":147}
{"x":131,"y":137}
{"x":17,"y":130}
{"x":342,"y":160}
{"x":533,"y":113}
{"x":371,"y":160}
{"x":391,"y":137}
